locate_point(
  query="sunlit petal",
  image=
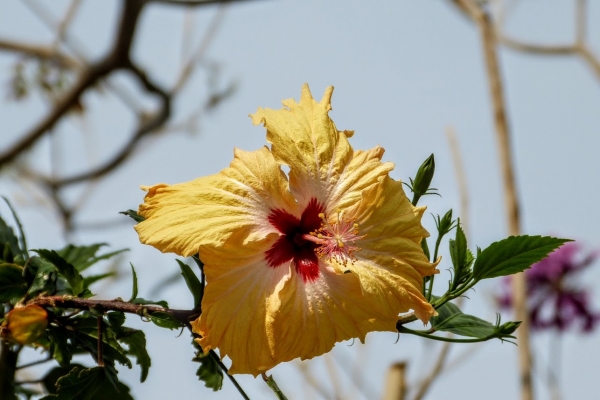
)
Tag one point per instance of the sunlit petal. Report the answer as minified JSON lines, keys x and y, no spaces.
{"x":240,"y":306}
{"x":303,"y":137}
{"x":209,"y":210}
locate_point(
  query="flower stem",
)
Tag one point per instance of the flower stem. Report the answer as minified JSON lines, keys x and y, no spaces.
{"x":231,"y":378}
{"x":273,"y":385}
{"x":435,"y":255}
{"x":428,"y":335}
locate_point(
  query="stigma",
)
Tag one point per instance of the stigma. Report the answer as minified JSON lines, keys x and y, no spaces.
{"x":335,"y":239}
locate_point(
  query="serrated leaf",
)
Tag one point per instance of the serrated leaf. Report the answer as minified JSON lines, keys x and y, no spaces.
{"x":88,"y":384}
{"x":133,"y":215}
{"x":136,"y":341}
{"x":83,"y":257}
{"x":134,"y":290}
{"x":141,"y":300}
{"x":513,"y":254}
{"x":192,"y":282}
{"x":460,"y":256}
{"x":12,"y":284}
{"x":209,"y":371}
{"x":44,"y":276}
{"x":165,"y":320}
{"x":52,"y":376}
{"x":451,"y":319}
{"x":66,"y":269}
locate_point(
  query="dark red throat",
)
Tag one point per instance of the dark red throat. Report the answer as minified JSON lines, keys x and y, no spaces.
{"x":290,"y":245}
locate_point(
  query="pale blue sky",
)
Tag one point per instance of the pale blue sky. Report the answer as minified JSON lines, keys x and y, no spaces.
{"x":403,"y":72}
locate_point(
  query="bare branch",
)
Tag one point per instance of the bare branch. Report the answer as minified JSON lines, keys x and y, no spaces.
{"x":580,"y":21}
{"x":68,"y":18}
{"x":182,"y":316}
{"x":578,"y":48}
{"x":149,"y":124}
{"x":395,"y":385}
{"x":201,"y":50}
{"x":40,"y":52}
{"x":489,"y":43}
{"x":559,"y":50}
{"x":461,"y":178}
{"x":196,"y":3}
{"x":118,"y":58}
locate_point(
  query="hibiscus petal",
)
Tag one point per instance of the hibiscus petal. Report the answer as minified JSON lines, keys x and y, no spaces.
{"x":240,"y":306}
{"x":392,"y":226}
{"x":362,"y":172}
{"x":306,"y":139}
{"x":209,"y":210}
{"x":313,"y":316}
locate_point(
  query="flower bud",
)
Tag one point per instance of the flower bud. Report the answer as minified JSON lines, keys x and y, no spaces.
{"x":423,"y":179}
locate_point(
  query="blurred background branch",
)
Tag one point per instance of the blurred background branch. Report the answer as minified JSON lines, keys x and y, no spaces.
{"x":80,"y":76}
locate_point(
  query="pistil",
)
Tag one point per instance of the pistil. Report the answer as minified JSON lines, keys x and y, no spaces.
{"x":336,"y":239}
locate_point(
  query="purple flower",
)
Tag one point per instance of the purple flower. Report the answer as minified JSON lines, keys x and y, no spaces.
{"x":554,"y":298}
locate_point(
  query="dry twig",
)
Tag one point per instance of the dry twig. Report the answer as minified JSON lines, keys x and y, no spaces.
{"x":489,"y":43}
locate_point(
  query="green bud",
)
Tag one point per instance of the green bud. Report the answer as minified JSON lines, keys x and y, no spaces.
{"x":508,"y":328}
{"x":445,"y":224}
{"x":423,"y":179}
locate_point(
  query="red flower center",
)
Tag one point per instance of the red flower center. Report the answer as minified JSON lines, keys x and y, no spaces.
{"x":292,"y":244}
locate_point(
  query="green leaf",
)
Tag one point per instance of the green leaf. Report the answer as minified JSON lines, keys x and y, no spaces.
{"x":82,"y":257}
{"x":111,"y":352}
{"x":460,"y":256}
{"x":50,"y":379}
{"x":12,"y":284}
{"x":115,"y":318}
{"x":134,"y":215}
{"x":8,"y":243}
{"x":90,"y":280}
{"x":136,"y":341}
{"x":60,"y":349}
{"x":89,"y":384}
{"x":44,"y":276}
{"x":209,"y":371}
{"x":165,"y":320}
{"x":66,"y":269}
{"x":444,"y":224}
{"x":513,"y":254}
{"x":451,"y":319}
{"x":192,"y":282}
{"x":141,"y":300}
{"x":23,"y":242}
{"x":134,"y":290}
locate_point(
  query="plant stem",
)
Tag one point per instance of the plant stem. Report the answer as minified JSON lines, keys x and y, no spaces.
{"x":427,"y":335}
{"x":100,"y":354}
{"x":231,"y":378}
{"x":111,"y":305}
{"x":8,"y":366}
{"x":273,"y":385}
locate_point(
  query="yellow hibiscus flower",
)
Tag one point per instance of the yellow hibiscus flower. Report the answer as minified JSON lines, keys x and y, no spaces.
{"x":295,"y":266}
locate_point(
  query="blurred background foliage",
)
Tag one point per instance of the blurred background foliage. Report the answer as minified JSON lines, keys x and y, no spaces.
{"x":99,"y":98}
